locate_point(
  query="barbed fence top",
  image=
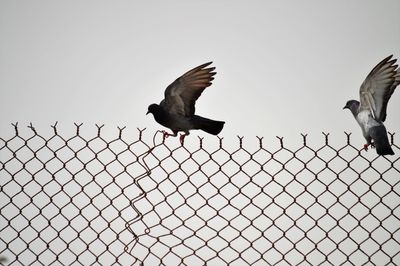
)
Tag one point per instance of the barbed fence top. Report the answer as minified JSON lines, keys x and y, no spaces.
{"x":101,"y":198}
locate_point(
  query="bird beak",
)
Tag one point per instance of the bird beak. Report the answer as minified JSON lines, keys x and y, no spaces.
{"x":147,"y":112}
{"x":346,"y":107}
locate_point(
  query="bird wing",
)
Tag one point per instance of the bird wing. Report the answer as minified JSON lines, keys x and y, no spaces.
{"x":377,"y":88}
{"x":181,"y":95}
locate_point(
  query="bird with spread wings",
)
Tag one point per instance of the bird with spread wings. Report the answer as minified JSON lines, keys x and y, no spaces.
{"x":177,"y":110}
{"x":370,"y":111}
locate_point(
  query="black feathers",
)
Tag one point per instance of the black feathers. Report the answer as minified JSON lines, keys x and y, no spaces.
{"x":177,"y":110}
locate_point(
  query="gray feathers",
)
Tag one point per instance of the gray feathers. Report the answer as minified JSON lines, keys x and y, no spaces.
{"x":378,"y":87}
{"x":370,"y":111}
{"x":381,"y":141}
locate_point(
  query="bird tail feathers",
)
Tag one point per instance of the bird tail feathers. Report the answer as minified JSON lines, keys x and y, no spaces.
{"x":208,"y":125}
{"x":381,"y":141}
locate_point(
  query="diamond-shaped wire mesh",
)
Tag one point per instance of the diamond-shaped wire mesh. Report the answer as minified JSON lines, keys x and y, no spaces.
{"x":95,"y":201}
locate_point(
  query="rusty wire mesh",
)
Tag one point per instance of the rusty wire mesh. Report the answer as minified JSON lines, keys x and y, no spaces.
{"x":83,"y":200}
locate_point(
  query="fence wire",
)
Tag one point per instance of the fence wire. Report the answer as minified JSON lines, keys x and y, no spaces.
{"x":82,"y":200}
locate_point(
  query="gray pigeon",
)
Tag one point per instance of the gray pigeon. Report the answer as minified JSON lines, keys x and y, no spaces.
{"x":177,"y":109}
{"x":370,"y":112}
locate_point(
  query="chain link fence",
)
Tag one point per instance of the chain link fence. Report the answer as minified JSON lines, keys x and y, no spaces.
{"x":89,"y":200}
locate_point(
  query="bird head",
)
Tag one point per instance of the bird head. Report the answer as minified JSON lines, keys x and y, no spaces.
{"x":352,"y":105}
{"x":153,"y":108}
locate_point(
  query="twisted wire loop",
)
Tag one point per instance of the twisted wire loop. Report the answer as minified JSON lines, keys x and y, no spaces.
{"x":89,"y":200}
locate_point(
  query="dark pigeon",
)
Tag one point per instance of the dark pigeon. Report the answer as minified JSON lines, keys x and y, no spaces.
{"x":370,"y":112}
{"x":176,"y":111}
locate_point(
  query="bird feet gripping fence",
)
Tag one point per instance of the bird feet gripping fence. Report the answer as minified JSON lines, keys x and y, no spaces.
{"x":84,"y":198}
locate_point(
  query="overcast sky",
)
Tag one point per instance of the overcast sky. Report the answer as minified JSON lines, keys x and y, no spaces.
{"x":284,"y":67}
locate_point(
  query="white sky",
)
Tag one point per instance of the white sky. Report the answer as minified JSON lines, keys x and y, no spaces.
{"x":284,"y":67}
